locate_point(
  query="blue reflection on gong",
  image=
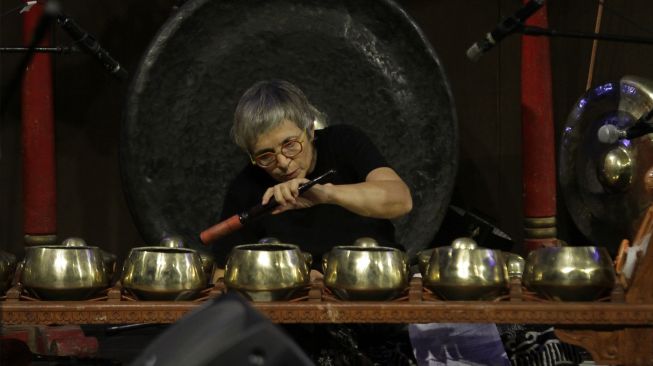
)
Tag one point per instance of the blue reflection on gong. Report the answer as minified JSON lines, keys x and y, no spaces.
{"x":628,"y":89}
{"x":603,"y":89}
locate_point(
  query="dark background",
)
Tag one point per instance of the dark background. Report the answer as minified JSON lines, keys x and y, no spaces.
{"x":88,"y":105}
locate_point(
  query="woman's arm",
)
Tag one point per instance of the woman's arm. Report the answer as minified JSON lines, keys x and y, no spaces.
{"x":383,"y":194}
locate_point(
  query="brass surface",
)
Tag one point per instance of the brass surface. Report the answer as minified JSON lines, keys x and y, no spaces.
{"x":269,"y":240}
{"x":172,"y":241}
{"x":605,"y":184}
{"x":515,"y":264}
{"x":110,"y":262}
{"x":161,"y":273}
{"x":615,"y":170}
{"x":540,"y":222}
{"x":540,"y":233}
{"x":108,"y":258}
{"x":176,"y":241}
{"x":424,"y":256}
{"x":570,"y":273}
{"x":365,"y":273}
{"x":366,"y":242}
{"x":267,"y":272}
{"x":464,"y":243}
{"x":37,"y":240}
{"x":56,"y":272}
{"x":74,"y":242}
{"x":423,"y":259}
{"x":466,"y":274}
{"x":7,"y":269}
{"x":208,"y":263}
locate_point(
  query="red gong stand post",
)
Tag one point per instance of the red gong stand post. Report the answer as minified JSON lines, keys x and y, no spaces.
{"x":39,"y":181}
{"x":538,"y":142}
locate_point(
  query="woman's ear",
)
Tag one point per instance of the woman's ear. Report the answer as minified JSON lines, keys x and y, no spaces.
{"x":311,"y":131}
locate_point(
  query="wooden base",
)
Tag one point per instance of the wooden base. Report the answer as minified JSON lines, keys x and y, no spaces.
{"x":504,"y":312}
{"x":614,"y":332}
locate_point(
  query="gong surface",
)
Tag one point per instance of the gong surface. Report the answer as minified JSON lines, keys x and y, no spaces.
{"x":362,"y":62}
{"x":605,"y":185}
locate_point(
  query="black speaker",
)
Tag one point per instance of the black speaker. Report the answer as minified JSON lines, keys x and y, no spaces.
{"x":224,"y":331}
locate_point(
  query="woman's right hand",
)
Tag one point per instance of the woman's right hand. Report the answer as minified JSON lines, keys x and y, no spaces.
{"x":287,"y":195}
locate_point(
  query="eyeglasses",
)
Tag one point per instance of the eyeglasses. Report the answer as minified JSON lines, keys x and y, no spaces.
{"x":289,"y":149}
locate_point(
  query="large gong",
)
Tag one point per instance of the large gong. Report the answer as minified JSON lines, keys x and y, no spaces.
{"x":362,"y":62}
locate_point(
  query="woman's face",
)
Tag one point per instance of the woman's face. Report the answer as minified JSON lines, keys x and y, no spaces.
{"x":286,"y":168}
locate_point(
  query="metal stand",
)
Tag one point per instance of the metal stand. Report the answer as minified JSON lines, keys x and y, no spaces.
{"x":538,"y":31}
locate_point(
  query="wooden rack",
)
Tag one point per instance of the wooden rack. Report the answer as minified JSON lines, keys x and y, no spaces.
{"x":418,"y":306}
{"x":616,"y":331}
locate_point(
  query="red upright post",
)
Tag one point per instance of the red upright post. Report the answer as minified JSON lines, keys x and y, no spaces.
{"x":538,"y":142}
{"x":39,"y":182}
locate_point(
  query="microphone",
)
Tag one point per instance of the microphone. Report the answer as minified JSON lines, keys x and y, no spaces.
{"x":609,"y":134}
{"x":505,"y":27}
{"x":235,"y":222}
{"x":90,"y":45}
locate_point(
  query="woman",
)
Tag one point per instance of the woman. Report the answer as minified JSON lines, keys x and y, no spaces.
{"x":274,"y":125}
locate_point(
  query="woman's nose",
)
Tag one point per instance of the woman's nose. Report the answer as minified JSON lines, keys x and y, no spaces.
{"x":282,"y":161}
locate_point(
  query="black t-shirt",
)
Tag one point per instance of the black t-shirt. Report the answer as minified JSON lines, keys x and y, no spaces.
{"x":316,"y":229}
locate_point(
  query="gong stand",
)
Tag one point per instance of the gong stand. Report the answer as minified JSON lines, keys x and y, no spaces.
{"x":39,"y":167}
{"x":34,"y":70}
{"x":538,"y":141}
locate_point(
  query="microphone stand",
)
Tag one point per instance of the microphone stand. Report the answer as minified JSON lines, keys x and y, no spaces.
{"x":82,"y":38}
{"x":61,"y":50}
{"x":89,"y":44}
{"x":515,"y":24}
{"x":538,"y":31}
{"x":84,"y":41}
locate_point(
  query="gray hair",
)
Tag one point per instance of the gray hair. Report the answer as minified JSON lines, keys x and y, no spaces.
{"x":265,"y":105}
